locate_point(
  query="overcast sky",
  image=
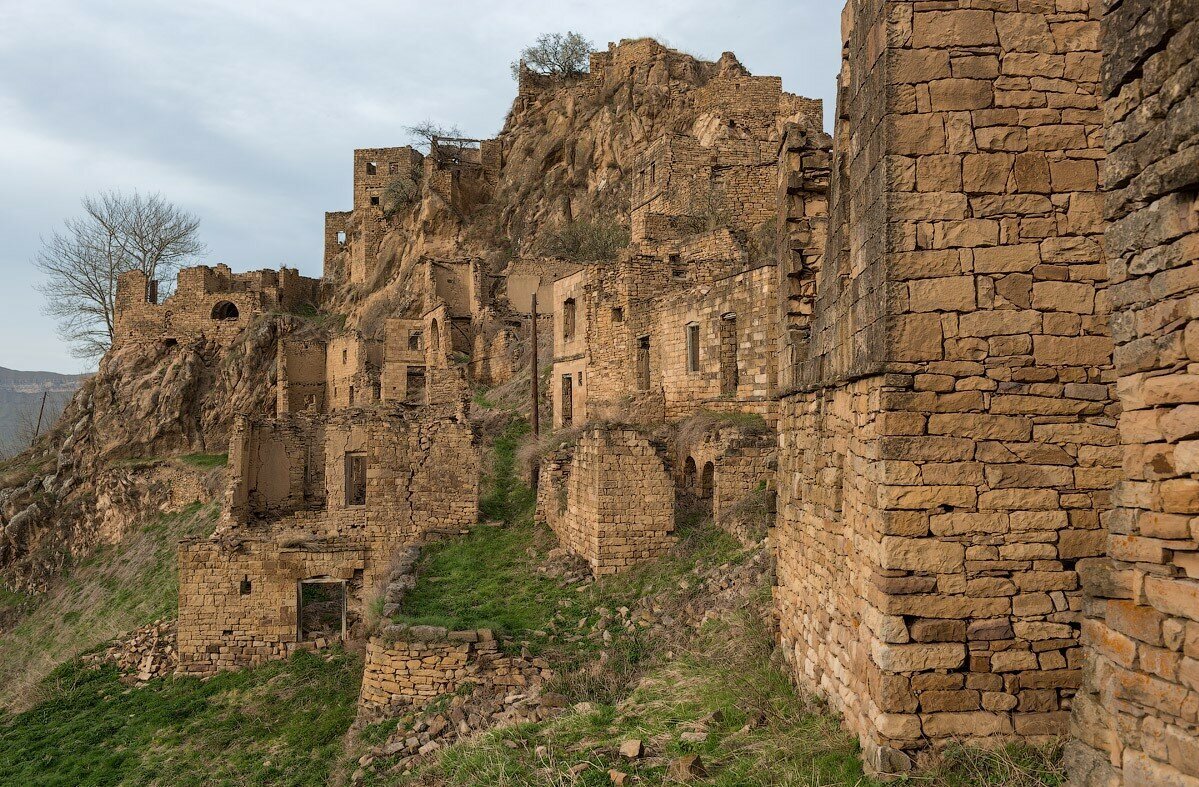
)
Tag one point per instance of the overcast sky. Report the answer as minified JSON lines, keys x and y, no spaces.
{"x":246,"y":112}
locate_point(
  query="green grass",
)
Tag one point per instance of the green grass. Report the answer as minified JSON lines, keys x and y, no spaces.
{"x":760,"y":731}
{"x":205,"y":461}
{"x":505,"y":498}
{"x":279,"y":724}
{"x":115,"y":589}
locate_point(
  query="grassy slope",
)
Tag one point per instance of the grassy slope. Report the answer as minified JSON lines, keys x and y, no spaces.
{"x":114,"y":590}
{"x":281,"y":723}
{"x":726,"y":681}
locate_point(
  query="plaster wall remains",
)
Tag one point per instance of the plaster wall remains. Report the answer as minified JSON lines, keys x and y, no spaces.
{"x":209,"y":302}
{"x":609,"y":499}
{"x":1136,"y":720}
{"x":950,"y":442}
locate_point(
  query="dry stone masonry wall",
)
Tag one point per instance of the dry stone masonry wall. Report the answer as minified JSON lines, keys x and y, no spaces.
{"x":952,"y":444}
{"x":407,"y":668}
{"x":1137,"y":719}
{"x":609,"y":499}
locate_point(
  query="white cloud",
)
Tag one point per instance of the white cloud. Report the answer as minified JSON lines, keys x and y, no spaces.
{"x":247,"y":113}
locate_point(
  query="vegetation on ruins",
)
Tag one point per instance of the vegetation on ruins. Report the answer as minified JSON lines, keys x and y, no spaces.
{"x":556,"y":54}
{"x":424,"y":132}
{"x":585,"y":240}
{"x":401,"y":192}
{"x":117,"y":232}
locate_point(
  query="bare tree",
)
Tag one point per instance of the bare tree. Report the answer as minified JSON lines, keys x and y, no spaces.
{"x":556,"y":54}
{"x":116,"y":233}
{"x":422,"y":133}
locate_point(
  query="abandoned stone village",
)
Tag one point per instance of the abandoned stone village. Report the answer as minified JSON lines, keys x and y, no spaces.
{"x":954,"y":344}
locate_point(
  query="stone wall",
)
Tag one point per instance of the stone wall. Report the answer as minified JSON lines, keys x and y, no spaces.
{"x":300,"y":384}
{"x":609,"y":499}
{"x":408,"y":669}
{"x":1136,"y":719}
{"x":209,"y":302}
{"x":337,"y":242}
{"x":290,"y":517}
{"x":239,"y":604}
{"x":945,"y":461}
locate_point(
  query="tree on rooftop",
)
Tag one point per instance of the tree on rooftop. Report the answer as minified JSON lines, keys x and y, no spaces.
{"x":116,"y":233}
{"x":423,"y":133}
{"x":556,"y":54}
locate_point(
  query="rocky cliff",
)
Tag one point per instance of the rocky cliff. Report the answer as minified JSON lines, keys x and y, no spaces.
{"x":569,"y":148}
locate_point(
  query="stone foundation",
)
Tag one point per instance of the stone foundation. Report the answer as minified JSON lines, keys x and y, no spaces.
{"x":414,"y":666}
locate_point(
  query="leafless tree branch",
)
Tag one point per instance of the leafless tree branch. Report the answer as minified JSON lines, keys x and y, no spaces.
{"x":116,"y":233}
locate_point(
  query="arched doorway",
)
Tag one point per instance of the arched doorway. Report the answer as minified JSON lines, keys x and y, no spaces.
{"x":689,"y":475}
{"x":705,"y":481}
{"x":225,"y":310}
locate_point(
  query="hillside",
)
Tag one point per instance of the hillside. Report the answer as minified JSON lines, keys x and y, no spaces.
{"x":298,"y":531}
{"x":20,"y":399}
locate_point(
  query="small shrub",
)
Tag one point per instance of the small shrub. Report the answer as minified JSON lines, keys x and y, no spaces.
{"x":556,"y":54}
{"x":585,"y":241}
{"x":401,"y":192}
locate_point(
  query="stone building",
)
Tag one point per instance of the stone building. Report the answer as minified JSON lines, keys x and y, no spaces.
{"x":685,"y":323}
{"x":1136,"y":719}
{"x":947,"y":432}
{"x":609,"y":499}
{"x":318,"y":507}
{"x":210,"y":302}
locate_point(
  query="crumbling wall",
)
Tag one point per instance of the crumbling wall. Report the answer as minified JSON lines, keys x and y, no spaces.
{"x":239,"y":604}
{"x":950,"y":449}
{"x":208,"y":302}
{"x":403,"y":376}
{"x":353,"y":371}
{"x":300,"y":386}
{"x":337,"y":242}
{"x":614,"y":504}
{"x":414,"y":666}
{"x":291,"y":517}
{"x":1136,"y":720}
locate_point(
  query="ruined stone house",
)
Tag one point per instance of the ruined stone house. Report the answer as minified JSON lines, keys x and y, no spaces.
{"x":210,"y":302}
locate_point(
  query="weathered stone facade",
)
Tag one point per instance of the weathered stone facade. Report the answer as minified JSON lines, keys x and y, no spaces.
{"x":210,"y":302}
{"x":1137,"y":719}
{"x":318,"y":499}
{"x":949,"y":443}
{"x":417,"y":665}
{"x":609,"y":499}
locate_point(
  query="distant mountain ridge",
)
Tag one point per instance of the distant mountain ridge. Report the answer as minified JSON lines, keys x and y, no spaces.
{"x":21,"y":396}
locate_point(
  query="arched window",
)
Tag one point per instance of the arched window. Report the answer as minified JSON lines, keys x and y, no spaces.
{"x":689,"y":475}
{"x":705,"y":482}
{"x":225,"y":311}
